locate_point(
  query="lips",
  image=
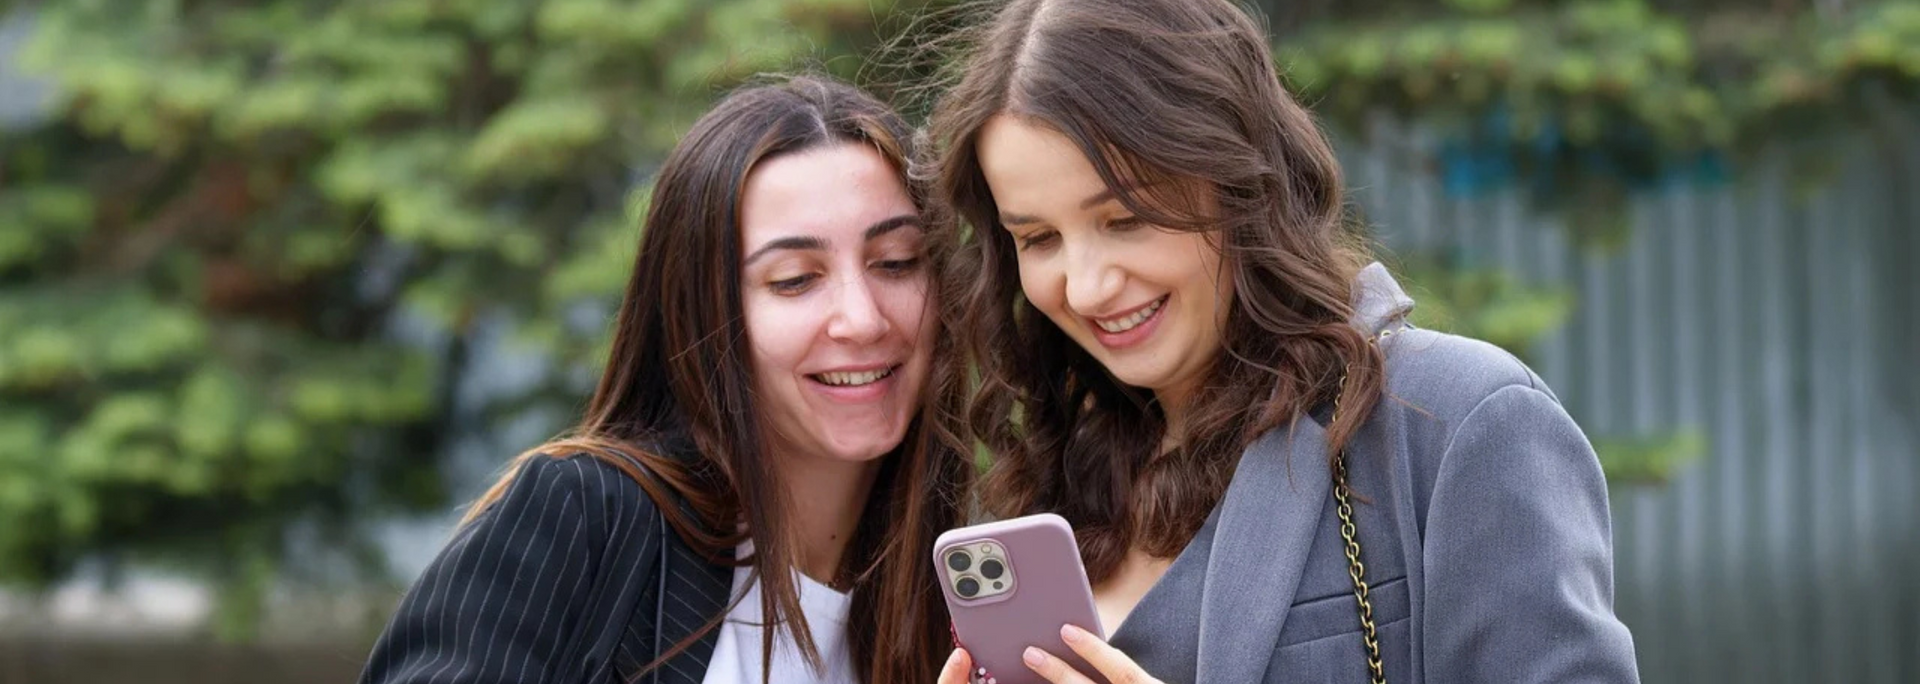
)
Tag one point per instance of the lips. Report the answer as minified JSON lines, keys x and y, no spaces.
{"x":1129,"y":329}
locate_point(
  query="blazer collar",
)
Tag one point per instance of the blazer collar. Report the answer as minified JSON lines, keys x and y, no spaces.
{"x":1268,"y":519}
{"x":1267,"y":524}
{"x":1378,"y":300}
{"x":694,"y":592}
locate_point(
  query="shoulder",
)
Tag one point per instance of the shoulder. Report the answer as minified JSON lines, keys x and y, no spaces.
{"x":1445,"y":376}
{"x":1510,"y":506}
{"x":1456,"y":404}
{"x":534,"y":584}
{"x":580,"y":490}
{"x":589,"y":476}
{"x":1442,"y":387}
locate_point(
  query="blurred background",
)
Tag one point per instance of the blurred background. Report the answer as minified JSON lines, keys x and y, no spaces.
{"x":283,"y":283}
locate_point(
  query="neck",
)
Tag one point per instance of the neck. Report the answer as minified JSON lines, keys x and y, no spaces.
{"x":1173,"y":408}
{"x":828,"y":497}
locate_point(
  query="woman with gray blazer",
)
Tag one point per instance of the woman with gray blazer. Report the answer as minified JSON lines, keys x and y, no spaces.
{"x":1185,"y":351}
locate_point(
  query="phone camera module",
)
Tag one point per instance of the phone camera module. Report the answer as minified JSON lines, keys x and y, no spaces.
{"x":967,"y":587}
{"x":959,"y":561}
{"x":992,"y":569}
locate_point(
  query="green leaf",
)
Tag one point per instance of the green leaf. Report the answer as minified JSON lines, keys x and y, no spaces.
{"x":1649,"y":460}
{"x":290,"y":102}
{"x":141,"y":336}
{"x":213,"y":407}
{"x":321,"y":399}
{"x":613,"y":24}
{"x":537,"y":137}
{"x":41,"y":356}
{"x":273,"y":439}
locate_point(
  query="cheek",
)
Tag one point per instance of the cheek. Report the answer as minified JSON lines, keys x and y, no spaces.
{"x":1040,"y":283}
{"x":1178,"y":260}
{"x":1205,"y":277}
{"x":777,"y":331}
{"x":905,"y":303}
{"x":1222,"y":287}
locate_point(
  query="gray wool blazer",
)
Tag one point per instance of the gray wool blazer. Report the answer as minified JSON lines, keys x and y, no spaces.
{"x":1485,"y":534}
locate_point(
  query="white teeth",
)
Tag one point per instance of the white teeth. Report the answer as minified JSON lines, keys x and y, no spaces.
{"x":855,"y":379}
{"x":1130,"y":322}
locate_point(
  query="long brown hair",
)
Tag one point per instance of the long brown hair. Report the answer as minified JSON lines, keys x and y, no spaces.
{"x":1159,"y":95}
{"x":675,"y":411}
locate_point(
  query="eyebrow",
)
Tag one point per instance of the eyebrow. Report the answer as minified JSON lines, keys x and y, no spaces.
{"x":1097,"y":199}
{"x":815,"y":244}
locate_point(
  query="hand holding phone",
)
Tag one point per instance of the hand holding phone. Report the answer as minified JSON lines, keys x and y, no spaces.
{"x":1012,"y":584}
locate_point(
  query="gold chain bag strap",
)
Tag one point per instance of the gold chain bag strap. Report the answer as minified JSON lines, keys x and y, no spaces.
{"x":1356,"y":569}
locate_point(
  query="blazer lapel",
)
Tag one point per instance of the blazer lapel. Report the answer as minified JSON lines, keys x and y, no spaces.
{"x":697,"y":590}
{"x":1267,"y":524}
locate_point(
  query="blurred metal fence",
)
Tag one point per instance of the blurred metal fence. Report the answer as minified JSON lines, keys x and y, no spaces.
{"x":1776,"y":317}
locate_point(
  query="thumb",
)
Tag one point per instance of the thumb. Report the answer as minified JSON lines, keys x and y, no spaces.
{"x":955,"y":671}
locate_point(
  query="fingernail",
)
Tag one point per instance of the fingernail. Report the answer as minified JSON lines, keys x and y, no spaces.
{"x":1034,"y":657}
{"x":1071,"y":633}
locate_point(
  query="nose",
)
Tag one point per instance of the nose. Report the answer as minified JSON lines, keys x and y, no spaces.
{"x":856,"y":313}
{"x":1092,"y":279}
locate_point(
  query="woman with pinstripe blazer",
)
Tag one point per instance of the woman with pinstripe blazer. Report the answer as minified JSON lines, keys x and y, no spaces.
{"x":756,"y":483}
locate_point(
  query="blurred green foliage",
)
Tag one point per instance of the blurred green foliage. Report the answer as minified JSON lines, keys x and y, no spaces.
{"x":1653,"y":458}
{"x":1483,"y":303}
{"x":1588,"y":69}
{"x":1588,"y":100}
{"x":211,"y":256}
{"x":205,"y":252}
{"x":1581,"y":102}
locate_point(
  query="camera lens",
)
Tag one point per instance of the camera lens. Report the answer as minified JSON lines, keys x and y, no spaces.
{"x":991,"y":569}
{"x":967,"y":587}
{"x":959,"y":561}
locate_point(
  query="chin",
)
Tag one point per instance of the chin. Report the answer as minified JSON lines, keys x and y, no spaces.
{"x":863,"y":453}
{"x":868,"y":448}
{"x":1142,"y":378}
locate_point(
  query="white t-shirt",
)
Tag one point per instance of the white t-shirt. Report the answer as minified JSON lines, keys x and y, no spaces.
{"x":736,"y":656}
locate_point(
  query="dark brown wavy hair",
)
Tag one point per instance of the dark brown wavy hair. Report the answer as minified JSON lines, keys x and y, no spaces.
{"x":675,"y":408}
{"x":1159,"y":95}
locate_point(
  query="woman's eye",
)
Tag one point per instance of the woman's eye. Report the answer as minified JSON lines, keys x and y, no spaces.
{"x":1125,"y":223}
{"x":1038,"y":239}
{"x":792,"y":286}
{"x":899,"y":266}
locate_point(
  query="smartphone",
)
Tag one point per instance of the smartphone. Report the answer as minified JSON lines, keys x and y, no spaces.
{"x":1011,"y":584}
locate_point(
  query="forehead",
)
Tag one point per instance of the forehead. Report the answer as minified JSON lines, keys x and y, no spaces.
{"x":1032,"y":167}
{"x":827,"y":192}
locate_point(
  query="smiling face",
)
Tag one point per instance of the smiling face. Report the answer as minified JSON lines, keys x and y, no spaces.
{"x":835,"y":295}
{"x":1147,"y":302}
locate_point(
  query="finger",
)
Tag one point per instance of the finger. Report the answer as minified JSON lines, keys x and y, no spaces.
{"x":955,"y":671}
{"x":1109,"y":661}
{"x":1053,"y":669}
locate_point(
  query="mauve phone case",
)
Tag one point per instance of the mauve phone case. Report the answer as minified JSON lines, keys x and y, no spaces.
{"x":1049,"y":589}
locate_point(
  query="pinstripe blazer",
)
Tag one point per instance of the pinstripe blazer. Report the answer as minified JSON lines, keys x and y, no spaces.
{"x":573,"y":576}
